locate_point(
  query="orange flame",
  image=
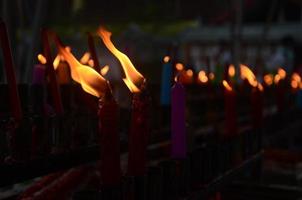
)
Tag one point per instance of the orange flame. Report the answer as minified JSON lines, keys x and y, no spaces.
{"x":268,"y":79}
{"x":85,"y":58}
{"x":189,"y":73}
{"x":294,"y":84}
{"x":202,"y":76}
{"x":296,"y":77}
{"x":91,"y":81}
{"x":104,"y":70}
{"x":227,"y":86}
{"x":91,"y":63}
{"x":277,"y":78}
{"x":166,"y":59}
{"x":211,"y":76}
{"x":179,"y":66}
{"x":282,"y":73}
{"x":42,"y":59}
{"x":133,"y":78}
{"x":246,"y":73}
{"x":231,"y":71}
{"x":260,"y":87}
{"x":56,"y":61}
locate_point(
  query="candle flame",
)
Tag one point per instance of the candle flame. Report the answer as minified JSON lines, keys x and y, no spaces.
{"x":189,"y":73}
{"x":179,"y":66}
{"x":104,"y":70}
{"x":202,"y":76}
{"x":268,"y":79}
{"x":260,"y":87}
{"x":91,"y":81}
{"x":296,"y":81}
{"x":277,"y":79}
{"x":294,"y":84}
{"x":282,"y":73}
{"x":166,"y":59}
{"x":56,"y":61}
{"x":42,"y":59}
{"x":133,"y":79}
{"x":227,"y":86}
{"x":231,"y":71}
{"x":296,"y":77}
{"x":91,"y":63}
{"x":85,"y":58}
{"x":211,"y":76}
{"x":246,"y":73}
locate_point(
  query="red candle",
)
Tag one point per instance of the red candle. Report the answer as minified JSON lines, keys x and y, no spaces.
{"x":109,"y":141}
{"x":10,"y":73}
{"x":230,"y":110}
{"x":138,"y":136}
{"x":56,"y":95}
{"x":92,"y":50}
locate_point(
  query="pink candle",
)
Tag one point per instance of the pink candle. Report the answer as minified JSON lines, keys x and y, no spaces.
{"x":38,"y":74}
{"x":178,"y":129}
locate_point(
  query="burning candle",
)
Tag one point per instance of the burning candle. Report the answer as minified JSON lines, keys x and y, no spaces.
{"x":93,"y":83}
{"x":139,"y":130}
{"x":10,"y":73}
{"x":178,"y":122}
{"x":39,"y":71}
{"x":279,"y":80}
{"x":230,"y":109}
{"x":165,"y":95}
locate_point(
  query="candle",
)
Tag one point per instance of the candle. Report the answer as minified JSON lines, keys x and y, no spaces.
{"x":139,"y":130}
{"x":178,"y":127}
{"x":96,"y":64}
{"x":93,"y":83}
{"x":165,"y":95}
{"x":56,"y":95}
{"x":257,"y":106}
{"x":279,"y":80}
{"x":230,"y":110}
{"x":38,"y":74}
{"x":15,"y":103}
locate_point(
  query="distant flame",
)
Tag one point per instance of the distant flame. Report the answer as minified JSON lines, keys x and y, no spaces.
{"x":56,"y":61}
{"x":277,"y":78}
{"x":189,"y":73}
{"x":133,"y":78}
{"x":294,"y":84}
{"x":166,"y":59}
{"x":282,"y":73}
{"x":227,"y":86}
{"x":268,"y":79}
{"x":211,"y":76}
{"x":202,"y":76}
{"x":179,"y":66}
{"x":231,"y":71}
{"x":91,"y":81}
{"x":296,"y":81}
{"x":104,"y":70}
{"x":85,"y":58}
{"x":296,"y":77}
{"x":260,"y":87}
{"x":42,"y":59}
{"x":91,"y":63}
{"x":246,"y":73}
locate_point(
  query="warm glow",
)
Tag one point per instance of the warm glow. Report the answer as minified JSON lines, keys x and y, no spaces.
{"x":189,"y":72}
{"x":179,"y":66}
{"x":246,"y":73}
{"x":85,"y":58}
{"x":91,"y":81}
{"x":91,"y":63}
{"x":56,"y":61}
{"x":294,"y":84}
{"x":133,"y":78}
{"x":296,"y":77}
{"x":277,"y":78}
{"x":268,"y":79}
{"x":282,"y":73}
{"x":202,"y":76}
{"x":42,"y":59}
{"x":166,"y":59}
{"x":260,"y":87}
{"x":231,"y":71}
{"x":211,"y":76}
{"x":104,"y":70}
{"x":226,"y":85}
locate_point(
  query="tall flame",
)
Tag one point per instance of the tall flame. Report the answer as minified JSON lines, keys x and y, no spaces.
{"x":227,"y":85}
{"x":91,"y":81}
{"x":133,"y":78}
{"x":85,"y":58}
{"x":104,"y":70}
{"x":246,"y":73}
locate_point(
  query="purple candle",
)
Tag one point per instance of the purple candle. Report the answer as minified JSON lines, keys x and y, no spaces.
{"x":38,"y":74}
{"x":179,"y":147}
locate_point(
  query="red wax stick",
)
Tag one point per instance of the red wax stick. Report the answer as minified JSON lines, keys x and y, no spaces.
{"x":280,"y":93}
{"x":10,"y":73}
{"x":230,"y":112}
{"x":56,"y":95}
{"x":138,"y":136}
{"x":109,"y":141}
{"x":93,"y":53}
{"x":257,"y":108}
